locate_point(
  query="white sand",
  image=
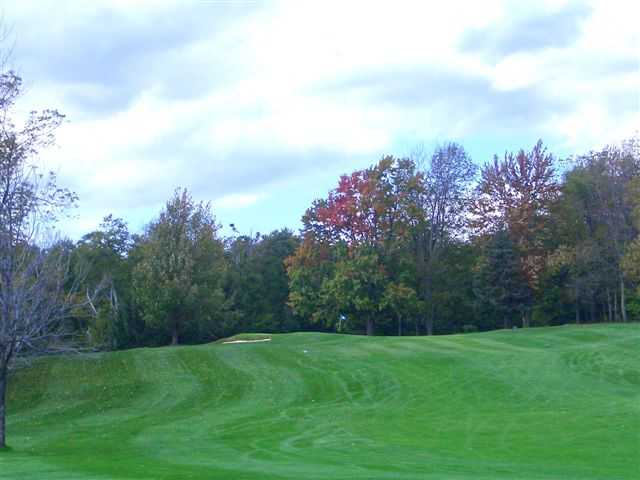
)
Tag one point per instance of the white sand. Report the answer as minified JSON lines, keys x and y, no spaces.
{"x":248,"y":341}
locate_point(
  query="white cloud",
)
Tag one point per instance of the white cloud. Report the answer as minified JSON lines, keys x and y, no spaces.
{"x":248,"y":95}
{"x":237,"y":200}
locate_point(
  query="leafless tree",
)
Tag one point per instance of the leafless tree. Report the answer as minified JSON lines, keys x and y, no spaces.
{"x":35,"y":295}
{"x":448,"y":176}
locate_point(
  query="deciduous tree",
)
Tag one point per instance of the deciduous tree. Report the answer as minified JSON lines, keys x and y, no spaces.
{"x":34,"y":302}
{"x":357,"y":289}
{"x":515,"y":195}
{"x":363,"y":223}
{"x":104,"y":251}
{"x":443,"y":200}
{"x":178,"y":281}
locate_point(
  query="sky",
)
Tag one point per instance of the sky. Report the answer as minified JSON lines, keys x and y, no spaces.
{"x":260,"y":106}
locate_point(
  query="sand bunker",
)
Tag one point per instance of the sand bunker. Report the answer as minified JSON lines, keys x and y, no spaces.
{"x":248,"y":341}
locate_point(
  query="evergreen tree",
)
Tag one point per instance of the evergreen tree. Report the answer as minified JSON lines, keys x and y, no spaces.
{"x":499,"y":281}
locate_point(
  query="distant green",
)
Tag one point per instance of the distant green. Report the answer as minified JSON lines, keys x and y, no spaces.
{"x":547,"y":403}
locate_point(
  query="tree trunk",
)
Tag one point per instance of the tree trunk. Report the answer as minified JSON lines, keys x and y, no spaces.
{"x":369,"y":327}
{"x":577,"y":305}
{"x":429,"y":325}
{"x":399,"y":325}
{"x":623,"y":307}
{"x":174,"y":335}
{"x":3,"y":401}
{"x":609,"y":307}
{"x":432,"y":316}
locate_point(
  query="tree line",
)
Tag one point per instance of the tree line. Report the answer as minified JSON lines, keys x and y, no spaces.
{"x":430,"y":243}
{"x":409,"y":246}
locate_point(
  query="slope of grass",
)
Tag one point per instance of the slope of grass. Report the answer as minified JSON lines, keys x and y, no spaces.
{"x":553,"y":403}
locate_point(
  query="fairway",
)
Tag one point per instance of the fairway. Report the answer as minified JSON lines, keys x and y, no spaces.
{"x":547,"y":403}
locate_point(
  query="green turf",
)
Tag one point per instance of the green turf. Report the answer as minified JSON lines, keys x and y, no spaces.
{"x":551,"y":403}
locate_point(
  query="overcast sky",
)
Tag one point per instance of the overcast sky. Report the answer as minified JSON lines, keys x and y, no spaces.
{"x":259,"y":106}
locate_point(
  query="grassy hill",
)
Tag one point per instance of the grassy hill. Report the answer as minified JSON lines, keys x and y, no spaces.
{"x":552,"y":403}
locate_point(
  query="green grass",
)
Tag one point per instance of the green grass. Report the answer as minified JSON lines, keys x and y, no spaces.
{"x":551,"y":403}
